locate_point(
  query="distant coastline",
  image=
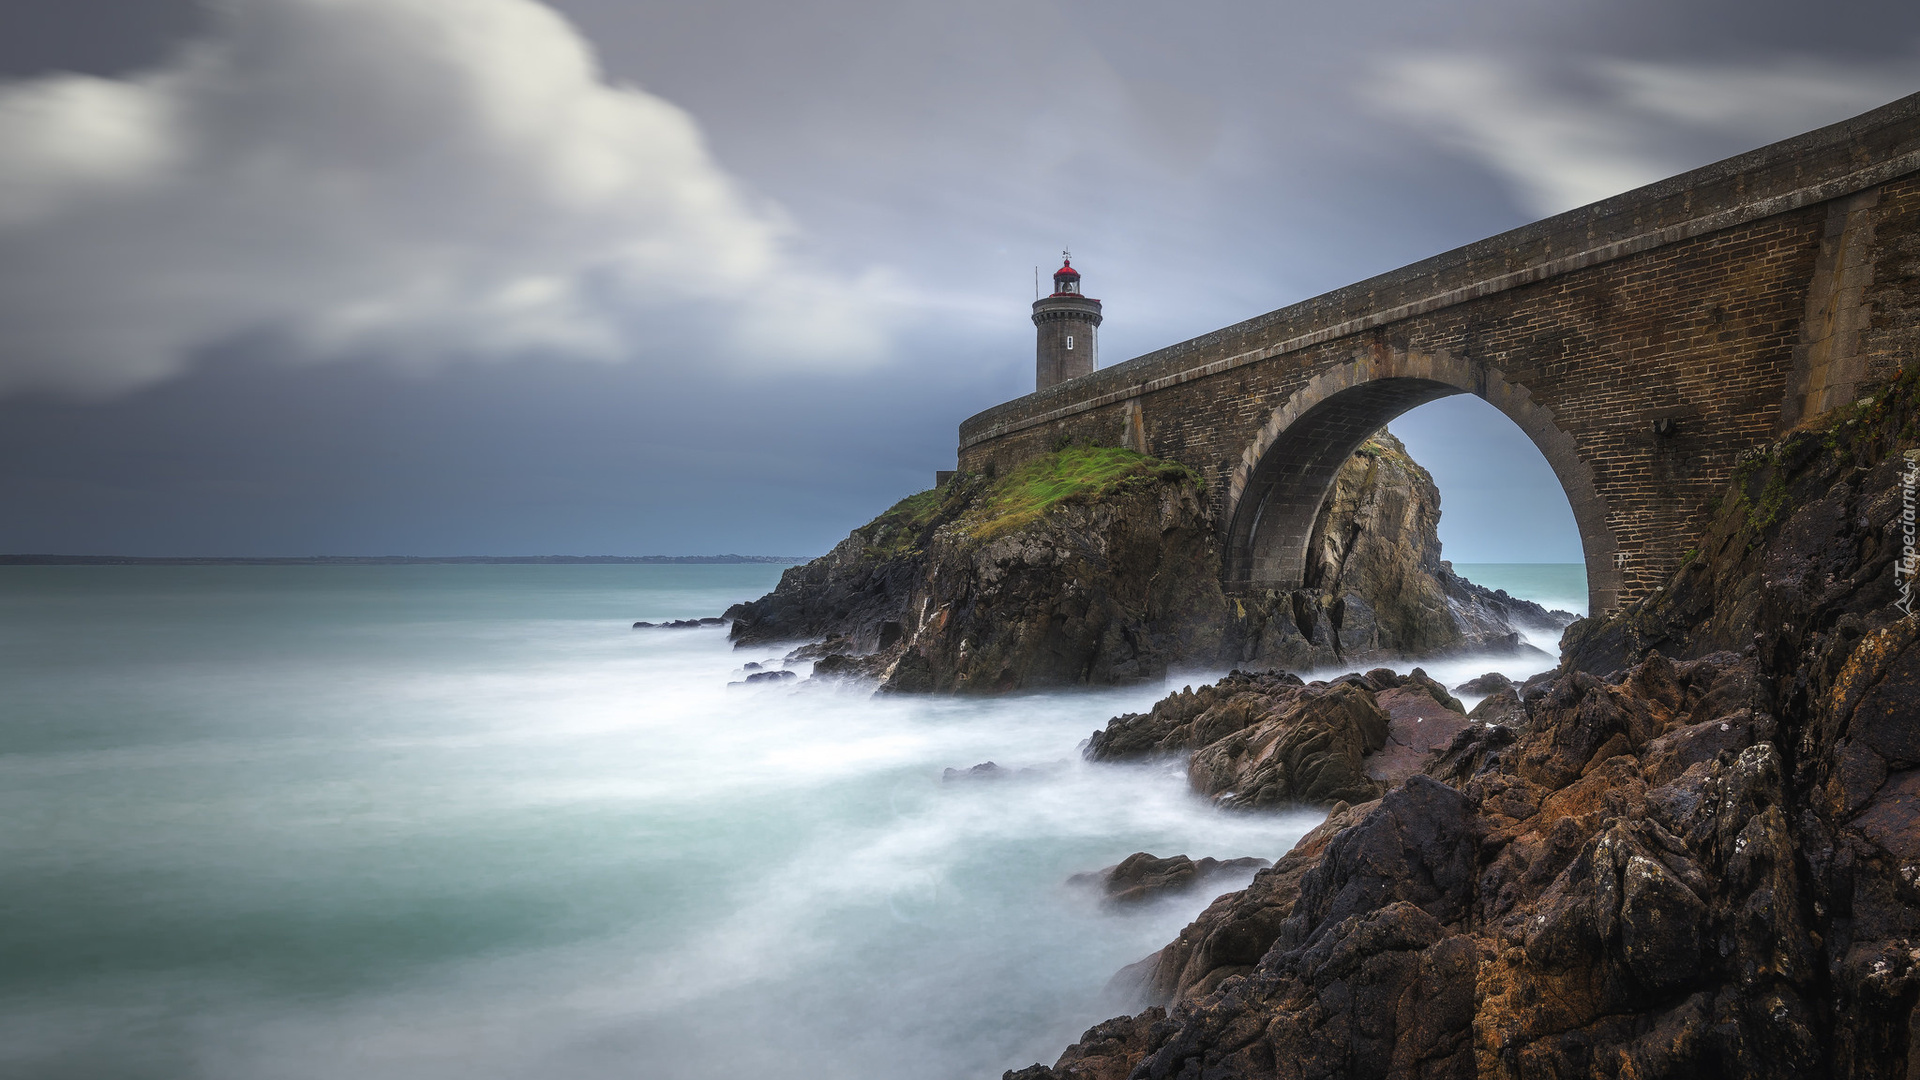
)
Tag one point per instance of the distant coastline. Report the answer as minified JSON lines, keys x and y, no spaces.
{"x":381,"y":560}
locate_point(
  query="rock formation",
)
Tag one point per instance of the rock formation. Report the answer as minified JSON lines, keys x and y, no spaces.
{"x":1692,"y":855}
{"x":1094,"y":565}
{"x":1376,"y":588}
{"x":1143,"y":876}
{"x":1091,"y":565}
{"x":1265,"y":741}
{"x":992,"y":771}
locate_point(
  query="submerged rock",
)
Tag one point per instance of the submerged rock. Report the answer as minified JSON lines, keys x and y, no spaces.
{"x":1141,"y":876}
{"x":680,"y":624}
{"x":988,"y":770}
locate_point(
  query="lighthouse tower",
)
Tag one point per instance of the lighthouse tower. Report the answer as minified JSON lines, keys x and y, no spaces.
{"x":1066,"y":321}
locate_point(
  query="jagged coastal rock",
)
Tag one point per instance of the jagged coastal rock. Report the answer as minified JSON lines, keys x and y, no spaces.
{"x":1693,"y":850}
{"x":1142,"y":876}
{"x":1376,"y":588}
{"x":1265,"y":741}
{"x":1096,"y":565}
{"x":1090,"y":565}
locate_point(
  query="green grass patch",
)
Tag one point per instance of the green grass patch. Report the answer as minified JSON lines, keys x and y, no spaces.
{"x":898,"y":531}
{"x":985,"y":506}
{"x":1076,"y":472}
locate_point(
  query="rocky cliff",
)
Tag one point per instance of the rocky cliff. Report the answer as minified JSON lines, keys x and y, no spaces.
{"x":1376,"y":588}
{"x":1091,"y":565}
{"x":1693,"y":852}
{"x":1267,"y":741}
{"x":1095,"y":565}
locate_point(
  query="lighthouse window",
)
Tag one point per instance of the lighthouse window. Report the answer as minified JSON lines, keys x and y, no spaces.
{"x":1069,"y":342}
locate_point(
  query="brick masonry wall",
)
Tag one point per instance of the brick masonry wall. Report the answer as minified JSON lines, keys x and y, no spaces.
{"x":1645,"y":343}
{"x":1065,"y":344}
{"x":1890,"y":334}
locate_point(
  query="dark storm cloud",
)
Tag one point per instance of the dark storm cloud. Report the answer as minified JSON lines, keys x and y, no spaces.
{"x":92,"y":37}
{"x":879,"y":179}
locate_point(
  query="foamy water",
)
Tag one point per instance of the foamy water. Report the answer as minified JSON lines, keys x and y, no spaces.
{"x":461,"y":821}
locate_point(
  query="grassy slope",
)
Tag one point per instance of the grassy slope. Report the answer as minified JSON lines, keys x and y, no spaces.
{"x":985,"y":507}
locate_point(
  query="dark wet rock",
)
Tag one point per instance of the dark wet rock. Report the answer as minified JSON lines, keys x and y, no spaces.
{"x":1107,"y":1051}
{"x":834,"y":645}
{"x":1536,"y":685}
{"x":1142,"y":876}
{"x":1491,"y":683}
{"x":1183,"y":722}
{"x":988,"y":770}
{"x":1697,"y":858}
{"x":844,"y":666}
{"x":770,"y":676}
{"x":1383,"y":678}
{"x":1265,"y":740}
{"x":751,"y":666}
{"x":1238,"y":928}
{"x":1503,"y":707}
{"x":1421,"y":680}
{"x":680,"y":624}
{"x":1308,"y":749}
{"x":1477,"y":748}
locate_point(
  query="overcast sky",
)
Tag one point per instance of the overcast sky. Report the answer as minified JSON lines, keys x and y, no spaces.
{"x":623,"y":277}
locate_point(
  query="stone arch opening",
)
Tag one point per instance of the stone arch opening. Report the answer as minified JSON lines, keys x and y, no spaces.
{"x":1285,"y":474}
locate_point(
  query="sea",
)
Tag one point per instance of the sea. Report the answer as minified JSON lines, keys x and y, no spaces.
{"x":462,"y":821}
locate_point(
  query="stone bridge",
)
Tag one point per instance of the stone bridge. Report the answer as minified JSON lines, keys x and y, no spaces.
{"x":1644,"y":343}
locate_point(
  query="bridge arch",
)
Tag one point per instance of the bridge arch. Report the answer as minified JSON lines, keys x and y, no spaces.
{"x":1283,"y":475}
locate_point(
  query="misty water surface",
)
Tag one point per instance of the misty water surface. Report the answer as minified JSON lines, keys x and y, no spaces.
{"x":460,"y":821}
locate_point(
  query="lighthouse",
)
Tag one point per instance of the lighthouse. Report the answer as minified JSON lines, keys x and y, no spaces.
{"x":1065,"y":323}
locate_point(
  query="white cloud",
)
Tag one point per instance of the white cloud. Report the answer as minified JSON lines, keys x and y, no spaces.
{"x":414,"y":180}
{"x":1598,"y":127}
